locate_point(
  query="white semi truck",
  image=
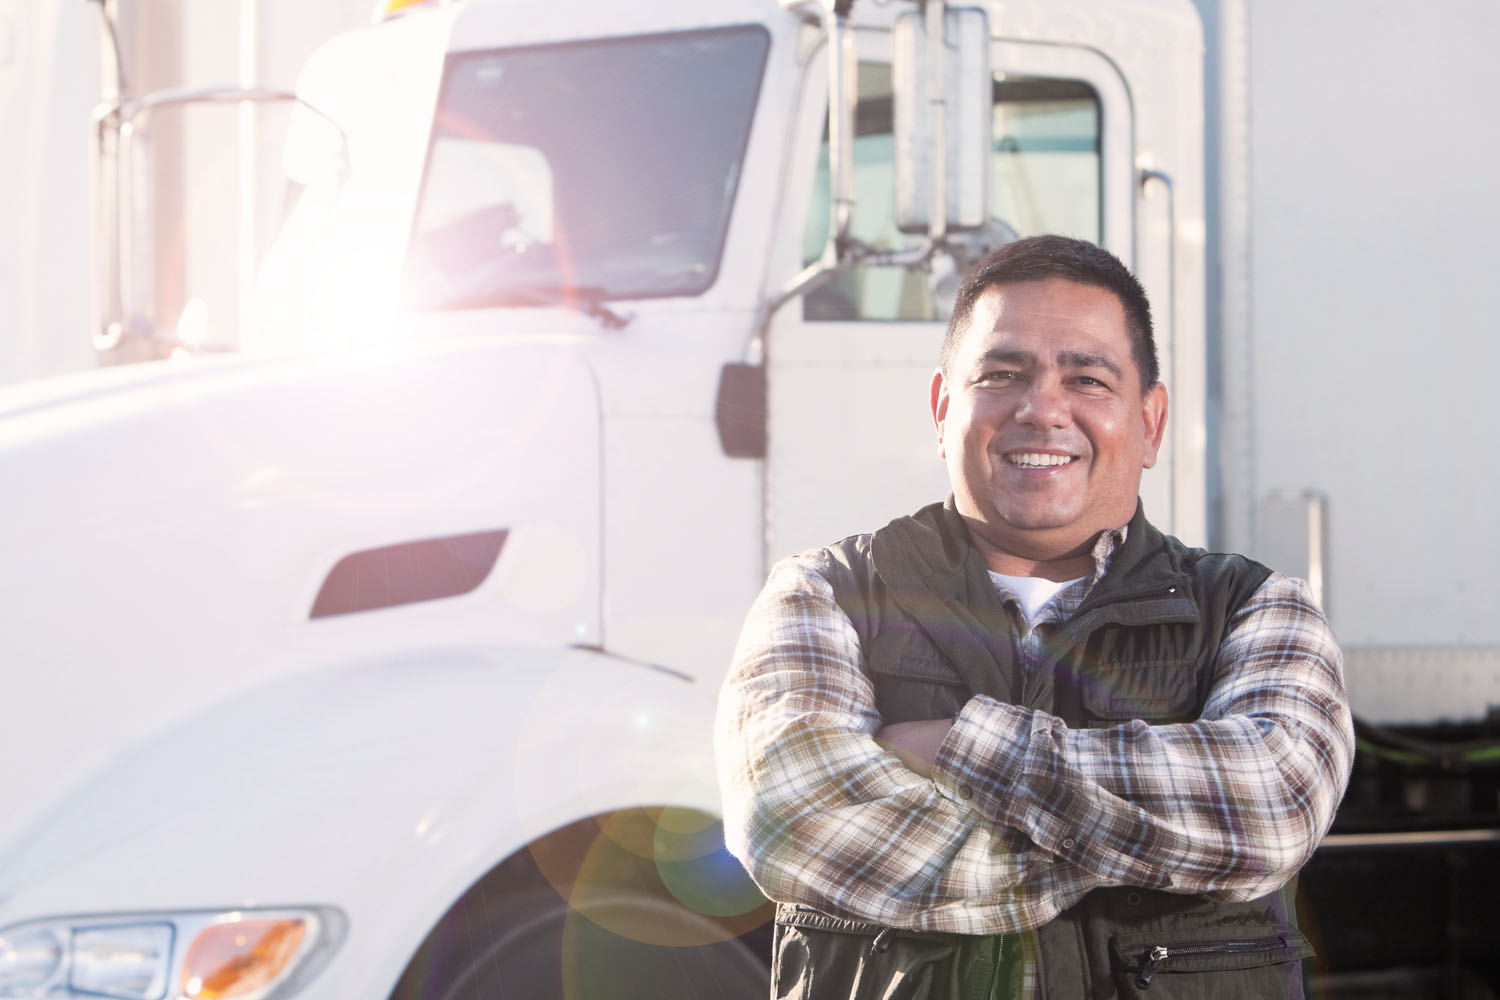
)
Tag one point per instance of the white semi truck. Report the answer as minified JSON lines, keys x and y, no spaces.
{"x":379,"y":659}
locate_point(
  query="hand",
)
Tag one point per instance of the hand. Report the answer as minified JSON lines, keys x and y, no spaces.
{"x":916,"y":743}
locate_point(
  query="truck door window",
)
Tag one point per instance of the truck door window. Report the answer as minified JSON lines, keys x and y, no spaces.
{"x":605,"y":169}
{"x":1044,"y":178}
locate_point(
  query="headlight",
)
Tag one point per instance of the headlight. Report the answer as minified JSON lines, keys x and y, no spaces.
{"x":29,"y":960}
{"x":224,"y":955}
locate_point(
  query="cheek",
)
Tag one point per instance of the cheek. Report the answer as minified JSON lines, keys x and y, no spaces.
{"x":976,"y":432}
{"x":1115,"y":436}
{"x":986,"y":411}
{"x":1130,"y":451}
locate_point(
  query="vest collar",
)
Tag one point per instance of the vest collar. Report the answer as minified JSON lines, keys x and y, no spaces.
{"x":1146,"y":583}
{"x":930,"y":554}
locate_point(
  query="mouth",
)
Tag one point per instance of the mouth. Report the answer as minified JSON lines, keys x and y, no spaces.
{"x":1038,"y":459}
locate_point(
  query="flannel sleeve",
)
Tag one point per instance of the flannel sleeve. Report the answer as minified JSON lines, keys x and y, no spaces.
{"x":821,"y":815}
{"x":1232,"y":804}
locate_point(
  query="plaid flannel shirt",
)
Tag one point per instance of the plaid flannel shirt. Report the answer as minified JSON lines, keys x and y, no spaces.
{"x":1024,"y":815}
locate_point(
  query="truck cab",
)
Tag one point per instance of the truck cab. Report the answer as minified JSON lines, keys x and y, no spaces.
{"x":387,"y":665}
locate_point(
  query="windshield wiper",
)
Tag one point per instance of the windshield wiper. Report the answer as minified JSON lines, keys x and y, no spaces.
{"x":587,"y":299}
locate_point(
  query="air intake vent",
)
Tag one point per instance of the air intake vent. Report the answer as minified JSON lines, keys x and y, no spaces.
{"x":408,"y":573}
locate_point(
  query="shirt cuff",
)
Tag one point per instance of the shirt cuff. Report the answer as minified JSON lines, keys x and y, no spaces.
{"x":982,"y":760}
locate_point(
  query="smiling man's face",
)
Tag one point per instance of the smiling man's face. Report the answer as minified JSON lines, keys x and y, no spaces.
{"x":1044,"y":424}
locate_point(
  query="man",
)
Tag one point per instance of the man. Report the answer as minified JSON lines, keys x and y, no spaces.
{"x":1022,"y":744}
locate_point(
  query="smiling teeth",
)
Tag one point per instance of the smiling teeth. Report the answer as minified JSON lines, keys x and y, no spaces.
{"x":1036,"y":459}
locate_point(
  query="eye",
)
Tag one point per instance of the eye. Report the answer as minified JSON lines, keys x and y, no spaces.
{"x":999,"y":375}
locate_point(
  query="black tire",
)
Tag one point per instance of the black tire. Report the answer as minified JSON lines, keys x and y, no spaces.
{"x":541,"y":926}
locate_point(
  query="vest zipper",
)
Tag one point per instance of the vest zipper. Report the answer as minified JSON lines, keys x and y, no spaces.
{"x":1160,"y":953}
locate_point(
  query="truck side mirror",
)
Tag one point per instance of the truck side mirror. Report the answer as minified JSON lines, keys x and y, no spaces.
{"x":943,"y":119}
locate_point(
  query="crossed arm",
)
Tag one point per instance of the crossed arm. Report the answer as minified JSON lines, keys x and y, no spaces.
{"x":1020,"y":815}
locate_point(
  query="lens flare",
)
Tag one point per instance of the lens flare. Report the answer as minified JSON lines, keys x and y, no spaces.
{"x":658,"y":876}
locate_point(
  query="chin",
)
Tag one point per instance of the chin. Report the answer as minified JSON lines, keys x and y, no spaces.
{"x":1031,"y":519}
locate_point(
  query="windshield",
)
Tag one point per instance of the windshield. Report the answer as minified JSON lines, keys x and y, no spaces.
{"x":584,"y":171}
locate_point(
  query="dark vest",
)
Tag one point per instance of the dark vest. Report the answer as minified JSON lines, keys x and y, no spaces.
{"x":1141,"y":646}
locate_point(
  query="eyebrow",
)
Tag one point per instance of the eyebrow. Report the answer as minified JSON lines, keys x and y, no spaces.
{"x":1065,"y":359}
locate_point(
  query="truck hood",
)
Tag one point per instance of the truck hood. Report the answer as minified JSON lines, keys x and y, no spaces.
{"x":168,"y":529}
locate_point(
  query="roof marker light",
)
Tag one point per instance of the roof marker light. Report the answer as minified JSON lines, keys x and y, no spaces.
{"x":390,"y":8}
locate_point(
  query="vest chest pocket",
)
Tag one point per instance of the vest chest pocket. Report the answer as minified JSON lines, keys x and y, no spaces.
{"x":912,"y":681}
{"x":1158,"y":692}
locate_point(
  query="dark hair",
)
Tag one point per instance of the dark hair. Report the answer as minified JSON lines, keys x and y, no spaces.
{"x":1036,"y":258}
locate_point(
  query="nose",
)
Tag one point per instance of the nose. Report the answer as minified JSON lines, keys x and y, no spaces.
{"x":1044,"y":404}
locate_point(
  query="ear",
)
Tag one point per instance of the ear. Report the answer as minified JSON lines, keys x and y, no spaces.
{"x":1154,"y":410}
{"x":938,"y":401}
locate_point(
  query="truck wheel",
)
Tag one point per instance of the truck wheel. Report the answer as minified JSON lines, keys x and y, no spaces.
{"x":604,"y":910}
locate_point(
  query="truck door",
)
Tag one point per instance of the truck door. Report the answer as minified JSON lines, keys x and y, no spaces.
{"x":851,"y":442}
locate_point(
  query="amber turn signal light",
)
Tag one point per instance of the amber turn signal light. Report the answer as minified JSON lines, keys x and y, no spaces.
{"x":236,"y":958}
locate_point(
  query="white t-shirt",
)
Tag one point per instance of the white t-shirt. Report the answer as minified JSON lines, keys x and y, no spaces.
{"x":1033,"y":591}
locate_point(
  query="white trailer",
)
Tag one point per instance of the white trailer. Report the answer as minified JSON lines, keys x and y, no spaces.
{"x":1350,"y":190}
{"x":1355,"y":201}
{"x":380,"y":659}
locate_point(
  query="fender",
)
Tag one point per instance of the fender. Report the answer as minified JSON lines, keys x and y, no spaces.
{"x":383,"y":788}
